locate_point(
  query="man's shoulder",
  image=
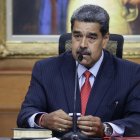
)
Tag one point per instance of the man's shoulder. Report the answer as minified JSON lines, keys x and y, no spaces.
{"x":121,"y":64}
{"x":126,"y":63}
{"x":126,"y":66}
{"x":55,"y":60}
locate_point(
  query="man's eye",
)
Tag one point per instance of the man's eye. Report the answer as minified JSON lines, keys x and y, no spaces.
{"x":77,"y":37}
{"x":92,"y":37}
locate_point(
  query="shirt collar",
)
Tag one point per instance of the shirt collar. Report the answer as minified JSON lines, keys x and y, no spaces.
{"x":94,"y":69}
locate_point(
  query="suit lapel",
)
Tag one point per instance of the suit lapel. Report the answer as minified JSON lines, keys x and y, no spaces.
{"x":102,"y":82}
{"x":68,"y":75}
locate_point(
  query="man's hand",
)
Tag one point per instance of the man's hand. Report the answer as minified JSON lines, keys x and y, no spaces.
{"x":57,"y":120}
{"x":91,"y":126}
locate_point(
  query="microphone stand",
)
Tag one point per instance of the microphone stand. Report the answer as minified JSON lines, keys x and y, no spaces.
{"x":75,"y":134}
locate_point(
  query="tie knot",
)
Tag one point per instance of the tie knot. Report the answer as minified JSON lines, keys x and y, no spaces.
{"x":87,"y":74}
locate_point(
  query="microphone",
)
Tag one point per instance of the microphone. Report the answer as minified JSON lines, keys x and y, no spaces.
{"x":75,"y":134}
{"x":80,"y":58}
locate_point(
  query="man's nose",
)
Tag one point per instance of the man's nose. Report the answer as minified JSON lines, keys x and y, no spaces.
{"x":84,"y":42}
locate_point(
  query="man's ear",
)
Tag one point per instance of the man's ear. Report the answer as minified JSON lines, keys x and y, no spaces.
{"x":105,"y":40}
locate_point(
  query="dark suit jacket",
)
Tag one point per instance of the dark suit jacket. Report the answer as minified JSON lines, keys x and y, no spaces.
{"x":115,"y":96}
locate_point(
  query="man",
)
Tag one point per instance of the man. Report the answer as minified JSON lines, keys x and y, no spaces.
{"x":112,"y":107}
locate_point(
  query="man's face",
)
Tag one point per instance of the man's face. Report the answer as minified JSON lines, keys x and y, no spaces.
{"x":88,"y":41}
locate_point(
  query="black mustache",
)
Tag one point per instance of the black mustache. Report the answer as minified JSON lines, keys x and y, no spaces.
{"x":83,"y":51}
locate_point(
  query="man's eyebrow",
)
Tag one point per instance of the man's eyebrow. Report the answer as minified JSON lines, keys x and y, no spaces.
{"x":76,"y":32}
{"x":92,"y":34}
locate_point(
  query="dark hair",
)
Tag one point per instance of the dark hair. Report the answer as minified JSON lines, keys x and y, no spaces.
{"x":92,"y":13}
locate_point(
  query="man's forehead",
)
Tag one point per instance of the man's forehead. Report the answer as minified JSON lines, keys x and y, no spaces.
{"x":86,"y":26}
{"x":84,"y":33}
